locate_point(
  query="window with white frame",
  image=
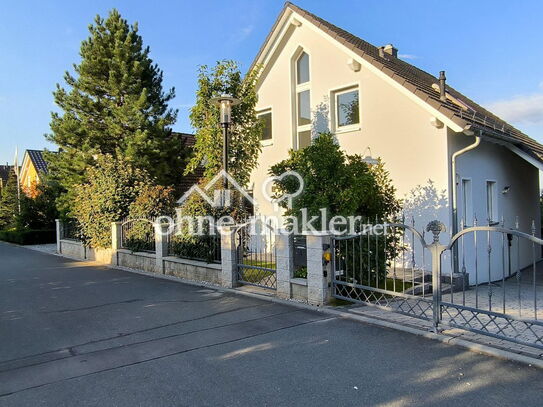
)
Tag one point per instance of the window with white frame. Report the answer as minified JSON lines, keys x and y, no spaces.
{"x":467,"y":202}
{"x":491,"y":201}
{"x":303,"y":101}
{"x":347,"y":108}
{"x":266,"y":118}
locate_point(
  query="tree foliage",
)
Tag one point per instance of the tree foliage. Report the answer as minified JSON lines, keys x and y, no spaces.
{"x":245,"y":131}
{"x":39,"y":211}
{"x":8,"y":203}
{"x":115,"y":188}
{"x":114,"y":104}
{"x":341,"y":183}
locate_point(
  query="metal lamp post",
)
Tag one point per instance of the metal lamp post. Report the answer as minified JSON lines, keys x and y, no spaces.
{"x":225,"y":102}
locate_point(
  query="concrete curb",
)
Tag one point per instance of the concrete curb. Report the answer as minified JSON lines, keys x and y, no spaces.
{"x":446,"y":339}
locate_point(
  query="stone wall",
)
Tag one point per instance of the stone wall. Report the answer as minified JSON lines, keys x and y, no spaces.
{"x":192,"y":270}
{"x":137,"y":260}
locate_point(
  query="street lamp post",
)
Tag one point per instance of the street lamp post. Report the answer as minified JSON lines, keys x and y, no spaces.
{"x":225,"y":102}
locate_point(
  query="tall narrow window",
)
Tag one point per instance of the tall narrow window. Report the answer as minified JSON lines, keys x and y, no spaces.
{"x":302,"y":69}
{"x":467,"y":203}
{"x":491,"y":201}
{"x":303,"y":101}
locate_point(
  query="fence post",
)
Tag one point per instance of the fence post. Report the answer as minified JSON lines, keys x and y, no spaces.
{"x":58,"y":224}
{"x":436,"y":249}
{"x":116,"y":241}
{"x":318,"y":270}
{"x":229,"y":262}
{"x":161,"y":246}
{"x":284,"y":262}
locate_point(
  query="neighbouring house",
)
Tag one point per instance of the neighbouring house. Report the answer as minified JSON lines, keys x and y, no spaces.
{"x":33,"y":167}
{"x":448,"y":157}
{"x":4,"y":175}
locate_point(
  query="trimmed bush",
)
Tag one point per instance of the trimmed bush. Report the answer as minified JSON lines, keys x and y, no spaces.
{"x":28,"y":236}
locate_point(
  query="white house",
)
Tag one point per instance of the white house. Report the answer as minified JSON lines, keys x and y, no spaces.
{"x":317,"y":77}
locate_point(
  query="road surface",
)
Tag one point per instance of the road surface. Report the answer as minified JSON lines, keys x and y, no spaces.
{"x":74,"y":333}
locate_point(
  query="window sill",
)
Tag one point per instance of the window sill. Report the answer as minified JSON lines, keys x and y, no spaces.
{"x":265,"y":143}
{"x":349,"y":129}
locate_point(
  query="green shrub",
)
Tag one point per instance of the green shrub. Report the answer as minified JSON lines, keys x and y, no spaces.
{"x":115,"y":190}
{"x":28,"y":236}
{"x":300,"y":272}
{"x":206,"y":248}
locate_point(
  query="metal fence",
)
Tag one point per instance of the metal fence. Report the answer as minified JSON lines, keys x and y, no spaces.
{"x":497,"y":287}
{"x":70,"y":230}
{"x":256,"y":255}
{"x":494,"y":291}
{"x":202,"y":248}
{"x":379,"y":268}
{"x":138,"y":235}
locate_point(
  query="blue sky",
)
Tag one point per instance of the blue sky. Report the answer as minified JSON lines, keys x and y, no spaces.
{"x":491,"y":50}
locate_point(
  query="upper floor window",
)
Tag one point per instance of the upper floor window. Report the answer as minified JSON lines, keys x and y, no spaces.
{"x":347,"y":108}
{"x":266,"y":118}
{"x":302,"y":100}
{"x":302,"y":69}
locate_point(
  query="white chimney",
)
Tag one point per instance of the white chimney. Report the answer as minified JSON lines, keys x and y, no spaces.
{"x":389,"y":49}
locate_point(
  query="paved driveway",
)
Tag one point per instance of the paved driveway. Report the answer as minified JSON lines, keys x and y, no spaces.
{"x":74,"y":333}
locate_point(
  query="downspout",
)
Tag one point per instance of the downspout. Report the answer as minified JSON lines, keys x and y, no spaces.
{"x":455,"y":190}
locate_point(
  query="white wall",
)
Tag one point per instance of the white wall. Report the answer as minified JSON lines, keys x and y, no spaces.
{"x":493,"y":162}
{"x":392,"y":125}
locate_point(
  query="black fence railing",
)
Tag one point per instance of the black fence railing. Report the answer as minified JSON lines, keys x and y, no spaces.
{"x":138,"y":235}
{"x":202,"y":248}
{"x":70,"y":230}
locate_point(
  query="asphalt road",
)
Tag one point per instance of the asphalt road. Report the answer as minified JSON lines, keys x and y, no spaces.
{"x":76,"y":334}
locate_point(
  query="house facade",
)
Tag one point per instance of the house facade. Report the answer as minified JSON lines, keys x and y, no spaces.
{"x":32,"y":168}
{"x":449,"y":158}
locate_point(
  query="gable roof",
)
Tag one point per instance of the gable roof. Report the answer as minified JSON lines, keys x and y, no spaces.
{"x":36,"y":156}
{"x":421,"y":84}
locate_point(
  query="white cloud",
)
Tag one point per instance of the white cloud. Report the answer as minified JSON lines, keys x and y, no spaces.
{"x":240,"y":35}
{"x":523,"y":109}
{"x":407,"y":56}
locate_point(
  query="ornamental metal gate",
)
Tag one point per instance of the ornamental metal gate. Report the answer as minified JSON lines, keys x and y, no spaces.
{"x":500,"y":281}
{"x":256,"y":255}
{"x":364,"y":273}
{"x":486,"y":280}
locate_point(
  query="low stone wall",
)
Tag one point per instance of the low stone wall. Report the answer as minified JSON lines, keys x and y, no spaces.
{"x":192,"y":270}
{"x":313,"y":290}
{"x":77,"y":250}
{"x":298,"y":289}
{"x":72,"y":248}
{"x":137,"y":260}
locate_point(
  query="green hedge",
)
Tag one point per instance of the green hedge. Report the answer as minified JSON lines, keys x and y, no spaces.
{"x":28,"y":236}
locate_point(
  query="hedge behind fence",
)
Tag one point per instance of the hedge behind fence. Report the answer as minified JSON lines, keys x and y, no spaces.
{"x":28,"y":236}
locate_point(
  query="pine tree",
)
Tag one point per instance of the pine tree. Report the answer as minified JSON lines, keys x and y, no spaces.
{"x":9,"y":203}
{"x":114,"y":104}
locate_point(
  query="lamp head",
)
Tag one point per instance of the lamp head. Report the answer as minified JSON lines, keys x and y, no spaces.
{"x":225,"y":102}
